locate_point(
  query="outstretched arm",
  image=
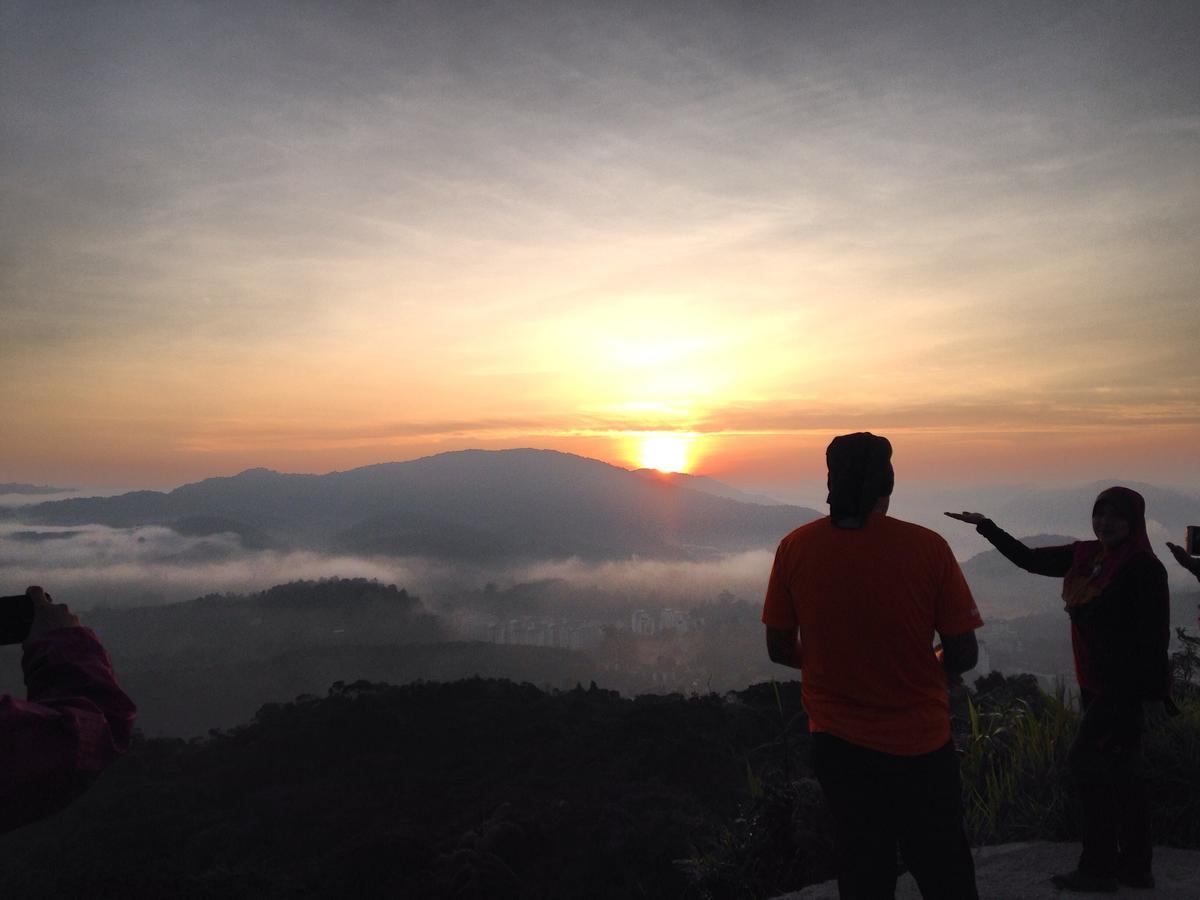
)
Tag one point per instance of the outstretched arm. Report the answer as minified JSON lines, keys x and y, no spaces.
{"x":779,"y":614}
{"x":1051,"y":561}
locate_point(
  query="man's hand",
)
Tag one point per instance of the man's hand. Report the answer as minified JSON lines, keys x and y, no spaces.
{"x":953,"y":679}
{"x":959,"y":653}
{"x":48,"y":615}
{"x":783,"y":646}
{"x":1191,"y":563}
{"x":971,"y":518}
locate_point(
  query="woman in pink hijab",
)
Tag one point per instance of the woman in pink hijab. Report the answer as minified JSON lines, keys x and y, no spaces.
{"x":1115,"y":593}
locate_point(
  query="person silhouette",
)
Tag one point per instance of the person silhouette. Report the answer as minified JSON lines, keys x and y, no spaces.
{"x":74,"y":721}
{"x":1115,"y":593}
{"x":854,"y":601}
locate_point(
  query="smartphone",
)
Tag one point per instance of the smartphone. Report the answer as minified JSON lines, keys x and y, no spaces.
{"x":16,"y":617}
{"x":1191,"y":540}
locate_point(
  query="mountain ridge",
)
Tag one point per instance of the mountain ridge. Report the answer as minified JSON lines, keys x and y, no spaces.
{"x":464,"y":504}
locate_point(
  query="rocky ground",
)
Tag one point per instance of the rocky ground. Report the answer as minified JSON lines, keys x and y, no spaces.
{"x":1022,"y":872}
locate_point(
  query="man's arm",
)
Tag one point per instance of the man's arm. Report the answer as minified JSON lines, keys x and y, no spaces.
{"x":783,"y":646}
{"x":779,"y":613}
{"x":960,"y":653}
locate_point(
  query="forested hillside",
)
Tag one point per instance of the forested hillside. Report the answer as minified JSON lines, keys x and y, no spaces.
{"x":492,"y":789}
{"x":478,"y":788}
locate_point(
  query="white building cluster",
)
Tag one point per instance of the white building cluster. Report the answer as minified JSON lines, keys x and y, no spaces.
{"x":647,"y":623}
{"x":529,"y":631}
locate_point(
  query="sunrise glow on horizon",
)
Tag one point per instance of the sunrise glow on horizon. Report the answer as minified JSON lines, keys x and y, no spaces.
{"x":697,"y":239}
{"x":666,"y":451}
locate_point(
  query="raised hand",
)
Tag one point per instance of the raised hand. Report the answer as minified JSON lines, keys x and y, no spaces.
{"x":971,"y":518}
{"x":1191,"y":563}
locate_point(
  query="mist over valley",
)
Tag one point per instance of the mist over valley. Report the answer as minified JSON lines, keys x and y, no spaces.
{"x":531,"y":565}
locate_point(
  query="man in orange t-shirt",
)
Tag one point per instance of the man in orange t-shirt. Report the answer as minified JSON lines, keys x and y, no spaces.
{"x":854,"y":601}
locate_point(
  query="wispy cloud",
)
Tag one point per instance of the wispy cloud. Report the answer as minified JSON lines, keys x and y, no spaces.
{"x":419,"y":222}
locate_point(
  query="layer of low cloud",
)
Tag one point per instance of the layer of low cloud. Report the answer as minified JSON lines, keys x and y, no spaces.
{"x":98,"y":565}
{"x":744,"y":574}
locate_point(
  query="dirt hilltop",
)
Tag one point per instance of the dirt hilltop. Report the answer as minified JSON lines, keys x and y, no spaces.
{"x":1022,"y":872}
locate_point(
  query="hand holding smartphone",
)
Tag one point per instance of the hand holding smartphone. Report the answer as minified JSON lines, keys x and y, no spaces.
{"x":1188,"y":555}
{"x":30,"y":614}
{"x":16,"y":618}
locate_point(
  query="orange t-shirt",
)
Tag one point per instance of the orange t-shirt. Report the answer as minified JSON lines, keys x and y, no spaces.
{"x":867,"y":603}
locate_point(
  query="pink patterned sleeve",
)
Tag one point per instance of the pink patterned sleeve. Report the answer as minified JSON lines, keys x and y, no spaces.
{"x":75,"y":722}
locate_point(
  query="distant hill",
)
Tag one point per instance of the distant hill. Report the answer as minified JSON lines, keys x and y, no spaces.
{"x":706,"y":485}
{"x":993,"y":564}
{"x":248,"y":536}
{"x":41,"y":537}
{"x":227,"y":628}
{"x":212,"y":661}
{"x":470,"y":504}
{"x":1004,"y":591}
{"x":17,"y":487}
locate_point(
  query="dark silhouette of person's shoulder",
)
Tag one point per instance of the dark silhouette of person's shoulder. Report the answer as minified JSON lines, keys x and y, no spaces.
{"x":801,"y":545}
{"x":805,"y":532}
{"x":917,"y":534}
{"x":910,"y":528}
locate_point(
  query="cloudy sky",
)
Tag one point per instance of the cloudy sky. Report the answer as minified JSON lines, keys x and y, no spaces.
{"x":311,"y":236}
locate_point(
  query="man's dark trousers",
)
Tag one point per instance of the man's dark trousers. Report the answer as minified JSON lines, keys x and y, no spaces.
{"x":879,"y":800}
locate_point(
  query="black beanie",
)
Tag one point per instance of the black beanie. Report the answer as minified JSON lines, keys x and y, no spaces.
{"x":860,"y":472}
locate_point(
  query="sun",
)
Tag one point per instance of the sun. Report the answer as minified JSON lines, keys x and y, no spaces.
{"x":667,"y":451}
